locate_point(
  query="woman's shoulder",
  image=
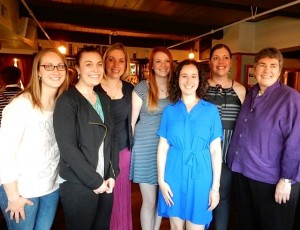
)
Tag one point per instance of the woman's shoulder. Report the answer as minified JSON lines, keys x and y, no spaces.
{"x":71,"y":96}
{"x":19,"y":105}
{"x":128,"y":87}
{"x":141,"y":88}
{"x":289,"y":92}
{"x":238,"y":86}
{"x":72,"y":92}
{"x":142,"y":83}
{"x":240,"y":90}
{"x":127,"y":84}
{"x":23,"y":100}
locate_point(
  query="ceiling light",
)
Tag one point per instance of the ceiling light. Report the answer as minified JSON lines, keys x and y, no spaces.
{"x":191,"y":55}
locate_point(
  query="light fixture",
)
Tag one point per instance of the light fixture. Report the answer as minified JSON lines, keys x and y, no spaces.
{"x":15,"y":62}
{"x":62,"y":48}
{"x":191,"y":55}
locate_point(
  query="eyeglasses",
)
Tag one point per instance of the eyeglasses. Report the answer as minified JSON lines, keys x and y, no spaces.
{"x":51,"y":67}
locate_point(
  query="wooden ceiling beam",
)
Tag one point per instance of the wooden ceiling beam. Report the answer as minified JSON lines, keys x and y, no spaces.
{"x":100,"y":17}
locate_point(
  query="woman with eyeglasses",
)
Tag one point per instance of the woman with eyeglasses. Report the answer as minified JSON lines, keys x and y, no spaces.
{"x":29,"y":153}
{"x":84,"y":130}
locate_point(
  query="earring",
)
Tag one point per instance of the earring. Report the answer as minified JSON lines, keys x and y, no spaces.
{"x":40,"y":78}
{"x":78,"y":76}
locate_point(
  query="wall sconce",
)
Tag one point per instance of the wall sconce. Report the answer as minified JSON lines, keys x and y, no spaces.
{"x":15,"y":62}
{"x":62,"y":48}
{"x":191,"y":55}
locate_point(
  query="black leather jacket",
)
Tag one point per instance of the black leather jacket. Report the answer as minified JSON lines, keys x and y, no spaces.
{"x":79,"y":132}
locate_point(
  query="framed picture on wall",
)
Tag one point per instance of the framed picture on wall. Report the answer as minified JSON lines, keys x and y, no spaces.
{"x":250,"y":77}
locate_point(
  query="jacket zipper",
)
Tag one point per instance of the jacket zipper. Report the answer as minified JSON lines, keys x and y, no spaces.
{"x":94,"y":123}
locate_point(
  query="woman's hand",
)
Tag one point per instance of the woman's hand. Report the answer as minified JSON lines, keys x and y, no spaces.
{"x":102,"y":188}
{"x":214,"y":198}
{"x":16,"y":207}
{"x":282,"y":192}
{"x":167,"y":193}
{"x":107,"y":186}
{"x":110,"y":185}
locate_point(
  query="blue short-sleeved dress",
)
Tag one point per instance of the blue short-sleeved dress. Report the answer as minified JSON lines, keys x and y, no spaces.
{"x":143,"y":166}
{"x":188,"y":169}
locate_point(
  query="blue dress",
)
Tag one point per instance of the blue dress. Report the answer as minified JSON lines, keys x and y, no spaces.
{"x":188,"y":169}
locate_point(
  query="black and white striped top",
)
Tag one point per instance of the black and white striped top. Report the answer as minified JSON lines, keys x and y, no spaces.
{"x":229,"y":106}
{"x":5,"y":97}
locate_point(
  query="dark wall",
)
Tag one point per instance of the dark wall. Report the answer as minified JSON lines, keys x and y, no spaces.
{"x":24,"y":63}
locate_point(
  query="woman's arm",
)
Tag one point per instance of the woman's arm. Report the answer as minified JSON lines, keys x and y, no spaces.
{"x":137,"y":103}
{"x":12,"y":130}
{"x":216,"y":158}
{"x":162,"y":151}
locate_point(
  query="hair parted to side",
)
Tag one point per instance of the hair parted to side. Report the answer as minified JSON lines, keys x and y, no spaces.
{"x":269,"y":52}
{"x":153,"y":88}
{"x":34,"y":87}
{"x":10,"y":75}
{"x":174,"y":90}
{"x":219,"y":46}
{"x":87,"y":49}
{"x":118,"y":46}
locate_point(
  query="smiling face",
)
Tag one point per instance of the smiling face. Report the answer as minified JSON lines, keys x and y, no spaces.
{"x":189,"y":79}
{"x":220,"y":62}
{"x":53,"y":78}
{"x":115,"y":64}
{"x":161,"y":64}
{"x":267,"y":72}
{"x":90,"y":69}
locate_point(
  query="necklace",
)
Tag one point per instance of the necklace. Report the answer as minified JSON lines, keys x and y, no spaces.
{"x":224,"y":85}
{"x":112,"y":94}
{"x":161,"y":89}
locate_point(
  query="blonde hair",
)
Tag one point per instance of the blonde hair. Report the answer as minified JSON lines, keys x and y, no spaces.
{"x":118,"y":46}
{"x":153,"y":88}
{"x":34,"y":87}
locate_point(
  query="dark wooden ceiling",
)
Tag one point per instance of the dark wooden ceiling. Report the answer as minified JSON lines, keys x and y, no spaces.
{"x":147,"y":23}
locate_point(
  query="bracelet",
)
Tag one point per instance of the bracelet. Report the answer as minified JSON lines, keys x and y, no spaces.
{"x":214,"y":190}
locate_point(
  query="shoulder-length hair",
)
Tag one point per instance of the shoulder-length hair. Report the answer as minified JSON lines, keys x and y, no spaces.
{"x":34,"y":87}
{"x":118,"y":46}
{"x":174,"y":90}
{"x":153,"y":88}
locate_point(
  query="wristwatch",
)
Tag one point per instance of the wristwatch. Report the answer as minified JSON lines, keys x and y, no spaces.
{"x":287,"y":181}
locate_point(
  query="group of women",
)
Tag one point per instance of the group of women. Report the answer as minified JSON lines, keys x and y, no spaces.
{"x":170,"y":133}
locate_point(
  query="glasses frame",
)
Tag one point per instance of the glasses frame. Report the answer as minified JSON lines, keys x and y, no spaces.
{"x":55,"y":66}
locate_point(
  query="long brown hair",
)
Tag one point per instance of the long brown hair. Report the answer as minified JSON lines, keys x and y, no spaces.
{"x":153,"y":88}
{"x":34,"y":87}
